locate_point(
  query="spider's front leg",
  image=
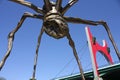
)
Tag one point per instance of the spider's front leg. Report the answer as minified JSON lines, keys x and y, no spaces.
{"x":12,"y":33}
{"x":89,"y":22}
{"x":36,"y":56}
{"x":71,"y":43}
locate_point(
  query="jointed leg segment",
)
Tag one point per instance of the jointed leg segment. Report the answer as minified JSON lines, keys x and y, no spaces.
{"x":30,"y":5}
{"x":89,"y":22}
{"x":58,"y":4}
{"x":36,"y":56}
{"x":71,"y":43}
{"x":12,"y":34}
{"x":48,"y":5}
{"x":71,"y":2}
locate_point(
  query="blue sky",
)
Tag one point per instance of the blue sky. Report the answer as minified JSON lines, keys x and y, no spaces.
{"x":54,"y":54}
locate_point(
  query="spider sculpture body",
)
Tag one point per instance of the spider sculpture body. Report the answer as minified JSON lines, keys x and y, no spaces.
{"x":55,"y":25}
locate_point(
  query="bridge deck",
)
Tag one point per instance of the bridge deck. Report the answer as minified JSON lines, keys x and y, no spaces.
{"x":111,"y":72}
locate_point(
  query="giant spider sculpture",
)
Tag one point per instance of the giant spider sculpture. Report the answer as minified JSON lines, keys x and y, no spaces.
{"x":55,"y":25}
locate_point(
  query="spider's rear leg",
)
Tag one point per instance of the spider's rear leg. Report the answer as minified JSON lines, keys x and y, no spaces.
{"x":48,"y":5}
{"x":30,"y":5}
{"x":58,"y":5}
{"x":95,"y":23}
{"x":12,"y":33}
{"x":70,"y":3}
{"x":71,"y":43}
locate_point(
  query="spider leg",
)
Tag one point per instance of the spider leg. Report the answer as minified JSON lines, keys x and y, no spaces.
{"x":58,"y":4}
{"x":12,"y":33}
{"x":70,"y":3}
{"x":48,"y":5}
{"x":71,"y":43}
{"x":89,"y":22}
{"x":30,"y":5}
{"x":37,"y":49}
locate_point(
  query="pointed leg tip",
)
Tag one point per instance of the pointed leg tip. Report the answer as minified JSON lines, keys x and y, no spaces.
{"x":0,"y":66}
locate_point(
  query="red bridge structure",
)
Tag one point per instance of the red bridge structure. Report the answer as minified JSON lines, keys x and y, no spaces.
{"x":94,"y":47}
{"x":110,"y":72}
